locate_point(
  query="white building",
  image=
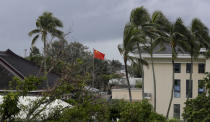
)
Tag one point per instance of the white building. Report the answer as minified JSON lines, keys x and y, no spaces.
{"x":163,"y":74}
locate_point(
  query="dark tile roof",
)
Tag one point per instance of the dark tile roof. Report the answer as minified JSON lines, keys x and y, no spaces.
{"x":168,"y":50}
{"x":25,"y":68}
{"x":5,"y":77}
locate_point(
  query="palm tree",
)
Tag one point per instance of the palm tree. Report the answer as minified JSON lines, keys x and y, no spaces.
{"x":46,"y":25}
{"x":196,"y":35}
{"x":148,"y":25}
{"x":172,"y":34}
{"x":127,"y":47}
{"x":140,"y":17}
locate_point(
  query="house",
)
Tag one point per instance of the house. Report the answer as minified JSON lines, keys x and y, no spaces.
{"x":163,"y":74}
{"x":13,"y":65}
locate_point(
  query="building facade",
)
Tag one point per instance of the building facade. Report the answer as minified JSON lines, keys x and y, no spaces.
{"x":163,"y":75}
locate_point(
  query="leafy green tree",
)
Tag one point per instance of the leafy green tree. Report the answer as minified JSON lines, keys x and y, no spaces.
{"x":77,"y":54}
{"x":9,"y":108}
{"x":86,"y":112}
{"x":46,"y":25}
{"x":134,"y":112}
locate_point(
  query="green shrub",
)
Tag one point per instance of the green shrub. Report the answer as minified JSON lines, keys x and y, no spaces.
{"x":138,"y":84}
{"x":87,"y":112}
{"x":133,"y":112}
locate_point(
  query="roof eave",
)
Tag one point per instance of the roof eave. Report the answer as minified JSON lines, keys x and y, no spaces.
{"x":181,"y":56}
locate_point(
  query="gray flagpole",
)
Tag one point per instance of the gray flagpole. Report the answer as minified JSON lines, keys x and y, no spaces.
{"x":93,"y":70}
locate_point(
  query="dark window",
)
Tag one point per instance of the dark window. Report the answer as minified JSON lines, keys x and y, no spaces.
{"x":188,"y":67}
{"x":177,"y":111}
{"x":177,"y":67}
{"x":201,"y":68}
{"x":177,"y":88}
{"x":200,"y":86}
{"x":189,"y":88}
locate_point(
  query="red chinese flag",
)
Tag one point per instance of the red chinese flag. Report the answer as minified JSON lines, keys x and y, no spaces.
{"x":98,"y":55}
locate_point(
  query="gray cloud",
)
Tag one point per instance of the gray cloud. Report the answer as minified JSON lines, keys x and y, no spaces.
{"x":97,"y":23}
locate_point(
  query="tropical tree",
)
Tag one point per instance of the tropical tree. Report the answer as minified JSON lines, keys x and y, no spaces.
{"x":150,"y":36}
{"x":171,"y":33}
{"x":196,"y":37}
{"x":140,"y":17}
{"x":127,"y":47}
{"x":200,"y":36}
{"x":46,"y":26}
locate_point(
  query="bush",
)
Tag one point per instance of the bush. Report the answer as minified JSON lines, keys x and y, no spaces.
{"x":174,"y":120}
{"x":87,"y":112}
{"x":134,"y":112}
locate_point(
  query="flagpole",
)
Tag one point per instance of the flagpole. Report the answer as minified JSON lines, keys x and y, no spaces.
{"x":93,"y":70}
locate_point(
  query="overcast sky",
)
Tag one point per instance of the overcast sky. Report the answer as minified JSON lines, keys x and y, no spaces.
{"x":96,"y":23}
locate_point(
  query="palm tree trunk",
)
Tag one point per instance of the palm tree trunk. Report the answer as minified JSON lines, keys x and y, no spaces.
{"x":142,"y":70}
{"x":45,"y":63}
{"x":172,"y":89}
{"x":190,"y":82}
{"x":154,"y":81}
{"x":126,"y":73}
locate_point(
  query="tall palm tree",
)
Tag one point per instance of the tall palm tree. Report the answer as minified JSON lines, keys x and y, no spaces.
{"x":196,"y":35}
{"x":172,"y":34}
{"x":46,"y":25}
{"x":140,"y":17}
{"x":127,"y":47}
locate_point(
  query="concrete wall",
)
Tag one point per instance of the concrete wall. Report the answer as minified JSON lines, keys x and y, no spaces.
{"x":123,"y":94}
{"x":163,"y":73}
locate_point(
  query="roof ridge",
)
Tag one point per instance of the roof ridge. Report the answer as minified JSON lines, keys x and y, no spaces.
{"x":11,"y":52}
{"x":30,"y":62}
{"x":12,"y":68}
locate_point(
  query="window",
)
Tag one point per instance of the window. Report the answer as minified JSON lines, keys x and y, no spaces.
{"x":201,"y":68}
{"x":177,"y":111}
{"x":200,"y":87}
{"x":189,"y":88}
{"x":177,"y":88}
{"x":177,"y":67}
{"x":188,"y":67}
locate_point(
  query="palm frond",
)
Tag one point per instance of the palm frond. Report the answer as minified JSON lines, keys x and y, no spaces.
{"x":162,"y":23}
{"x":120,"y":48}
{"x":136,"y":59}
{"x":139,"y":16}
{"x":35,"y":31}
{"x":34,"y":39}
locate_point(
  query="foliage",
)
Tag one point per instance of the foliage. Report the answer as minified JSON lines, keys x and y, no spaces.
{"x":46,"y":24}
{"x":75,"y":56}
{"x":138,"y":84}
{"x":86,"y":112}
{"x":174,"y":120}
{"x":9,"y":108}
{"x":133,"y":112}
{"x":35,"y":56}
{"x":139,"y":112}
{"x":197,"y":109}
